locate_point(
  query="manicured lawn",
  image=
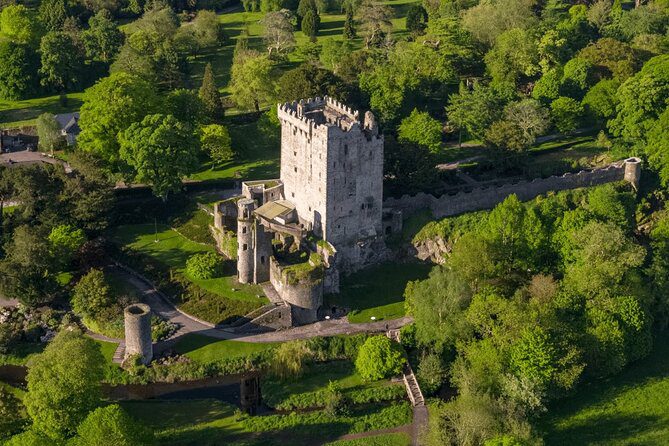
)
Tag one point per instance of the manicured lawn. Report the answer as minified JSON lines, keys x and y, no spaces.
{"x":108,"y":349}
{"x":631,"y":408}
{"x":398,"y":439}
{"x":23,"y":113}
{"x":378,"y":291}
{"x":173,"y":250}
{"x":205,"y":349}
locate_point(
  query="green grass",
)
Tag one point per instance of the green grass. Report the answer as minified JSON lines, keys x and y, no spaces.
{"x":205,"y":349}
{"x":21,"y":352}
{"x":398,"y":439}
{"x":23,"y":113}
{"x":378,"y":291}
{"x":214,"y":423}
{"x":108,"y":349}
{"x":173,"y":250}
{"x":630,"y":408}
{"x":64,"y":278}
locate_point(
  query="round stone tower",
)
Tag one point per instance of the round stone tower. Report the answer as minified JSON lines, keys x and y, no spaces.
{"x":245,"y":256}
{"x":633,"y":171}
{"x":138,"y":332}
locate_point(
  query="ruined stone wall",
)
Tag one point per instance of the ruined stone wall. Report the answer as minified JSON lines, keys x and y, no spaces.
{"x":305,"y":297}
{"x":487,"y":198}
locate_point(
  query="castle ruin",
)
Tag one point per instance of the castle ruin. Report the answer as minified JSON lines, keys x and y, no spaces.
{"x":322,"y":216}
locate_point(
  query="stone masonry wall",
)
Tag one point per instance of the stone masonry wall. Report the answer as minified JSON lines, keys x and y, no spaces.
{"x":486,"y":198}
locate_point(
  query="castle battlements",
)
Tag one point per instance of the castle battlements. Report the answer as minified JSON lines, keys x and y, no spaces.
{"x":325,"y":113}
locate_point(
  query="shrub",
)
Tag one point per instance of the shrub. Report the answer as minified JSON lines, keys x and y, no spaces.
{"x":111,"y":425}
{"x":379,"y":358}
{"x":91,"y":294}
{"x":65,"y":241}
{"x":336,"y":402}
{"x":204,"y":266}
{"x":289,"y":359}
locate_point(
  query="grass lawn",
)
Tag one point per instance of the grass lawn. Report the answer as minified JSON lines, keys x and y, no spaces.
{"x":377,"y":291}
{"x":214,"y":423}
{"x":173,"y":250}
{"x":398,"y":439}
{"x":316,"y":377}
{"x":630,"y":408}
{"x":205,"y":349}
{"x":108,"y":349}
{"x":258,"y":156}
{"x":21,"y":352}
{"x":23,"y":113}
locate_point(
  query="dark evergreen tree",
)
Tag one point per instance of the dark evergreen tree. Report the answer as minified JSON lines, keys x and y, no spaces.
{"x":416,"y":20}
{"x":349,"y":26}
{"x":210,"y":96}
{"x":310,"y":24}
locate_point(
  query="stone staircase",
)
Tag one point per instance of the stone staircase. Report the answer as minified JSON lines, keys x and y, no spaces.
{"x":410,"y":382}
{"x":247,"y":318}
{"x":119,"y":353}
{"x":267,"y":318}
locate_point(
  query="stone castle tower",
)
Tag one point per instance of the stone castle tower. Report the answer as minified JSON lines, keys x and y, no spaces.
{"x":332,"y":169}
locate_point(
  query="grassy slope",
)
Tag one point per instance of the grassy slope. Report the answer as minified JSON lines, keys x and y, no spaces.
{"x":173,"y":250}
{"x":630,"y":408}
{"x":205,"y":349}
{"x":378,"y":291}
{"x":399,"y":439}
{"x":24,"y":113}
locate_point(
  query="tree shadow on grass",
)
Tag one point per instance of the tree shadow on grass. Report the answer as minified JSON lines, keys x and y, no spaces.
{"x":602,"y":429}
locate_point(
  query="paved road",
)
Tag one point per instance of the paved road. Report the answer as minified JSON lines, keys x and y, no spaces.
{"x":28,"y":157}
{"x":166,"y":310}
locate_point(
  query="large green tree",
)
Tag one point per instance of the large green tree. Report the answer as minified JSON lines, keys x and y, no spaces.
{"x":62,"y":61}
{"x":161,"y":151}
{"x":252,"y":81}
{"x":18,"y":24}
{"x":210,"y":96}
{"x":112,"y":425}
{"x":64,"y":384}
{"x":421,"y":128}
{"x":110,"y":107}
{"x":379,"y":358}
{"x":102,"y":39}
{"x":18,"y":70}
{"x":48,"y":131}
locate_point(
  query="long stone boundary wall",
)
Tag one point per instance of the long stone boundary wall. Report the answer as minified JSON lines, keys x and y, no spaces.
{"x":487,"y":198}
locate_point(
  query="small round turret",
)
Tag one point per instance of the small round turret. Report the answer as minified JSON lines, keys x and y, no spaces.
{"x":138,"y":332}
{"x":245,"y":222}
{"x":633,"y":171}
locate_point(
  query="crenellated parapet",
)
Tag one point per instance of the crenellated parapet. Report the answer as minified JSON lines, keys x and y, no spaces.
{"x":488,"y":197}
{"x":319,"y":114}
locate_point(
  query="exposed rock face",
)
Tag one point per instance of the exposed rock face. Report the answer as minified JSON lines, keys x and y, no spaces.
{"x":435,"y":250}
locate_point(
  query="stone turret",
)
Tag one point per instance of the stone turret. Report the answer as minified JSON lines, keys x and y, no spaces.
{"x":245,"y":228}
{"x":138,"y":340}
{"x":633,"y":172}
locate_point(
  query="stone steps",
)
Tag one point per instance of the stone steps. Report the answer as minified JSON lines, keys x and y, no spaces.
{"x":252,"y":315}
{"x":119,"y":353}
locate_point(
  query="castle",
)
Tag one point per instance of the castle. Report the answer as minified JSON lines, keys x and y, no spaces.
{"x":323,"y":216}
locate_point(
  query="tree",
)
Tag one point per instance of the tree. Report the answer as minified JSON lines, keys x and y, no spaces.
{"x":513,"y":56}
{"x":207,"y":29}
{"x":61,"y":61}
{"x":215,"y":140}
{"x":431,"y":373}
{"x":608,"y":204}
{"x":18,"y":70}
{"x":534,"y":357}
{"x":611,"y":58}
{"x":48,"y":131}
{"x":601,"y":100}
{"x":658,"y":147}
{"x":52,"y":14}
{"x":473,"y":110}
{"x":112,"y":425}
{"x":577,"y":78}
{"x":567,"y":114}
{"x":91,"y":295}
{"x":251,"y":81}
{"x":349,"y":26}
{"x":488,"y":20}
{"x":11,"y":414}
{"x":64,"y":384}
{"x":642,"y":100}
{"x":278,"y":33}
{"x":547,"y":88}
{"x":530,"y":117}
{"x":379,"y":358}
{"x":310,"y":81}
{"x":505,"y":137}
{"x":310,"y":23}
{"x":333,"y":52}
{"x":421,"y":128}
{"x":102,"y":39}
{"x":408,"y":168}
{"x":27,"y":272}
{"x":209,"y":95}
{"x":31,"y":438}
{"x":437,"y":305}
{"x":161,"y":150}
{"x":109,"y":107}
{"x":65,"y":241}
{"x":186,"y":106}
{"x":416,"y":20}
{"x":18,"y":24}
{"x":375,"y":21}
{"x":202,"y":266}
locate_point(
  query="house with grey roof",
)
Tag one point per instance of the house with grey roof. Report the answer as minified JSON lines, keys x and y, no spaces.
{"x":69,"y":126}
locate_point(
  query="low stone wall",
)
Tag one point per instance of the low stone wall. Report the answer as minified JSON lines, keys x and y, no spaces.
{"x":486,"y":198}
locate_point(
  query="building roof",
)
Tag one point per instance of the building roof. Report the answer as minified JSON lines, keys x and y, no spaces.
{"x":69,"y":122}
{"x":274,"y":209}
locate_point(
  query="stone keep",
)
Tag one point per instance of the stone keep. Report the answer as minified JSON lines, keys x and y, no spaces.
{"x":332,"y":169}
{"x":138,"y":332}
{"x":254,"y":245}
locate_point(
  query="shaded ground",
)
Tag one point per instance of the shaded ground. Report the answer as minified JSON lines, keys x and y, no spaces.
{"x":630,"y":408}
